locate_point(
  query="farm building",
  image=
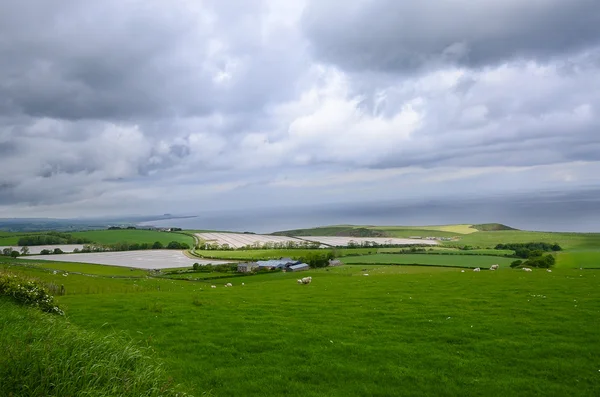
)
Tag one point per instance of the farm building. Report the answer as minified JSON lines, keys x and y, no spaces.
{"x":298,"y":268}
{"x":246,"y":267}
{"x":277,"y":263}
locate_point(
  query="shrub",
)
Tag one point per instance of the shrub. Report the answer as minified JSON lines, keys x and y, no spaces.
{"x":27,"y":292}
{"x":57,"y":251}
{"x":14,"y":254}
{"x":516,"y":263}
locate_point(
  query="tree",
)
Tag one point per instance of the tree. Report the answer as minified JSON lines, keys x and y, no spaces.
{"x":24,"y":250}
{"x":157,"y":245}
{"x":45,"y":252}
{"x":58,"y":251}
{"x":174,"y":245}
{"x":6,"y":251}
{"x":516,"y":263}
{"x":14,"y":254}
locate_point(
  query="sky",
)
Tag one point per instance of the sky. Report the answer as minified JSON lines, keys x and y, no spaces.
{"x":148,"y":107}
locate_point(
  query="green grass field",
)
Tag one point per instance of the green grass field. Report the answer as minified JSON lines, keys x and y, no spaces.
{"x":470,"y":261}
{"x":134,"y":236}
{"x":402,"y":330}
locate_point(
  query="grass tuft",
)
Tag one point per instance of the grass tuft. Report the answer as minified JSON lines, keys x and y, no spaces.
{"x":47,"y":356}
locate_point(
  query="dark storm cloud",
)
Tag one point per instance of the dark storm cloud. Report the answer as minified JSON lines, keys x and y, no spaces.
{"x":396,"y":35}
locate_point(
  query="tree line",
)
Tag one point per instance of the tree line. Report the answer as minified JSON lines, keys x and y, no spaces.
{"x":529,"y":250}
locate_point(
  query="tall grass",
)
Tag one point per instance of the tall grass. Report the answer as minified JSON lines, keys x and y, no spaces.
{"x":44,"y":355}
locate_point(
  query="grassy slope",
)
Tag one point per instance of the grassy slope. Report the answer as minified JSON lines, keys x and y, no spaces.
{"x":471,"y":261}
{"x":133,"y":236}
{"x":43,"y":355}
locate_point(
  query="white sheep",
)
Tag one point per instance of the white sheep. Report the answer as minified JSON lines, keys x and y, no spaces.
{"x":549,"y":271}
{"x":299,"y":281}
{"x":366,"y":274}
{"x":462,"y":271}
{"x":243,"y":284}
{"x":477,"y":269}
{"x":527,"y":269}
{"x":213,"y":286}
{"x":228,"y":285}
{"x":306,"y":280}
{"x":494,"y":267}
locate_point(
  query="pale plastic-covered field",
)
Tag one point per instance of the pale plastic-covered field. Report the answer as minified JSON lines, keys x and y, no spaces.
{"x":146,"y":259}
{"x":344,"y":241}
{"x":36,"y":249}
{"x":239,"y":240}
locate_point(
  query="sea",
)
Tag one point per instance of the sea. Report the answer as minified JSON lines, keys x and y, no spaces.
{"x":553,"y":212}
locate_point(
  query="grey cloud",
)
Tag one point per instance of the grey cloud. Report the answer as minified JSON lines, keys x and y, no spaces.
{"x":116,"y":60}
{"x":401,"y":35}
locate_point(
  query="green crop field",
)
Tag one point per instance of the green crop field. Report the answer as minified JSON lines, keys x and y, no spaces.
{"x":414,"y":331}
{"x":470,"y":261}
{"x":133,"y":236}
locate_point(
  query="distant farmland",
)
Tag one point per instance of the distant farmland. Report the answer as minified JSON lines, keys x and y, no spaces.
{"x":239,"y":240}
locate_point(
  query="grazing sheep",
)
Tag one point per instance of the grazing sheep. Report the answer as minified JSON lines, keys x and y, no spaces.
{"x":462,"y":271}
{"x":299,"y":281}
{"x":228,"y":285}
{"x":477,"y":269}
{"x":527,"y":269}
{"x":366,"y":274}
{"x":306,"y":280}
{"x":213,"y":286}
{"x":243,"y":284}
{"x":494,"y":267}
{"x":549,"y":271}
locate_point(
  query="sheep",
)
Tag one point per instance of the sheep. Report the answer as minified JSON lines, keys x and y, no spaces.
{"x":228,"y":285}
{"x":213,"y":286}
{"x":306,"y":280}
{"x":299,"y":281}
{"x":366,"y":274}
{"x":477,"y":269}
{"x":494,"y":267}
{"x":243,"y":284}
{"x":527,"y":269}
{"x":549,"y":271}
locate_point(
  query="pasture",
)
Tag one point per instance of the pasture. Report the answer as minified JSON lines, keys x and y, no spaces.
{"x":468,"y":261}
{"x":579,"y":259}
{"x":401,"y":330}
{"x":146,"y":259}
